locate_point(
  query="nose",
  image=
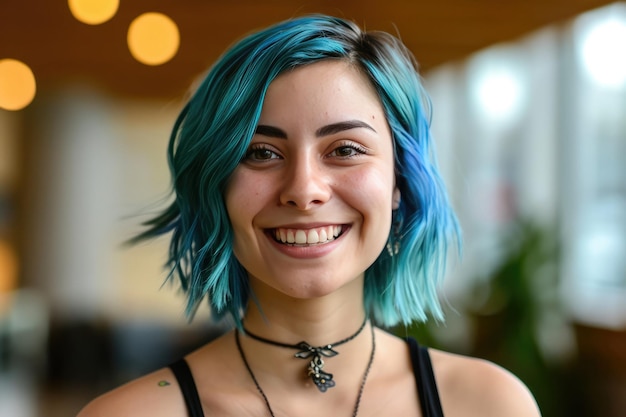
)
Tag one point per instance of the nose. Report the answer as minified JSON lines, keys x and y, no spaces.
{"x":306,"y":185}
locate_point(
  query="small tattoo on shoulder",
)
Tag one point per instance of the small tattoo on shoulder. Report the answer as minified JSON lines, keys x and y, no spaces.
{"x":163,"y":383}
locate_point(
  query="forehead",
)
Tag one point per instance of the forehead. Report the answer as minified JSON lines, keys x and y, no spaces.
{"x":327,"y":87}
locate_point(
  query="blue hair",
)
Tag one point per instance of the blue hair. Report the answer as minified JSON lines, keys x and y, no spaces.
{"x":212,"y":133}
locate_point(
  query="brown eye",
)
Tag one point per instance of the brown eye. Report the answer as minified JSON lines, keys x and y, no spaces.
{"x":347,"y":151}
{"x":260,"y":154}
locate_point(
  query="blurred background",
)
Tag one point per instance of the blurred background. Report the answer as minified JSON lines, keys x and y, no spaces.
{"x":529,"y":106}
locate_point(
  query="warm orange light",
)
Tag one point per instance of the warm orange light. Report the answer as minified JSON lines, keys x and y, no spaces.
{"x":8,"y":268}
{"x":153,"y":38}
{"x":93,"y":12}
{"x":17,"y":84}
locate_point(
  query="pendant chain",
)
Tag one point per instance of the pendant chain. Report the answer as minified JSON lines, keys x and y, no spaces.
{"x":360,"y":394}
{"x":322,"y":379}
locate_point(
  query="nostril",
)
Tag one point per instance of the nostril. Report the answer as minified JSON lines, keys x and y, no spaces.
{"x":293,"y":203}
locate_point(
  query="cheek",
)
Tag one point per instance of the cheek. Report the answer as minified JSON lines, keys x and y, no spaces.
{"x":247,"y":195}
{"x":372,"y":188}
{"x":240,"y":213}
{"x":240,"y":201}
{"x":243,"y":195}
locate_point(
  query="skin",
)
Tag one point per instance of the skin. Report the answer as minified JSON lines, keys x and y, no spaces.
{"x":317,"y":161}
{"x":322,"y":157}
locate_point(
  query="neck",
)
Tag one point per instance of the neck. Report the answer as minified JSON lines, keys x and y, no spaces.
{"x":316,"y":331}
{"x":312,"y":371}
{"x":322,"y":380}
{"x":318,"y":322}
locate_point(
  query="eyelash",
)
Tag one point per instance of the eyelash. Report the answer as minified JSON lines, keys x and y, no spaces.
{"x":252,"y":155}
{"x":357,"y":150}
{"x":254,"y":150}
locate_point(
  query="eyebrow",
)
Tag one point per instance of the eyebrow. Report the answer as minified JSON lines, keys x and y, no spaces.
{"x":331,"y":129}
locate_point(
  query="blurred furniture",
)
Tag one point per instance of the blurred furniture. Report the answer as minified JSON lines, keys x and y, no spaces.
{"x":23,"y":344}
{"x":602,"y":369}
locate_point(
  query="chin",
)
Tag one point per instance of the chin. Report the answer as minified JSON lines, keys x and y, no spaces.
{"x":319,"y":288}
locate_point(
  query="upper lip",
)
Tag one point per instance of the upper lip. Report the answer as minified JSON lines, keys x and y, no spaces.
{"x":305,"y":226}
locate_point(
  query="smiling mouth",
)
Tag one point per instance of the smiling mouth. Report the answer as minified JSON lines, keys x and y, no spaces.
{"x":304,"y":237}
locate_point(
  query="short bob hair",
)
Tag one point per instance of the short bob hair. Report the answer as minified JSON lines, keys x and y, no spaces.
{"x":212,"y":134}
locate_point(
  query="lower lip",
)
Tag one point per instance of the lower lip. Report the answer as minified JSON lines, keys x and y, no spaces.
{"x":309,"y":251}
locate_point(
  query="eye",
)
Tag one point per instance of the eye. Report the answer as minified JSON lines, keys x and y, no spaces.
{"x":260,"y":153}
{"x":348,"y":150}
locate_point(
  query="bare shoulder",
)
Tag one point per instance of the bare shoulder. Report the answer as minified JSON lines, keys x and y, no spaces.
{"x":159,"y":395}
{"x":475,"y":387}
{"x":155,"y":395}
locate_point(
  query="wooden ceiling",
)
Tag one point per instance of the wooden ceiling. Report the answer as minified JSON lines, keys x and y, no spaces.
{"x":59,"y":49}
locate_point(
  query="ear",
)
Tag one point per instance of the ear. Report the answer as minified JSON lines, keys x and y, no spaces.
{"x":396,"y":198}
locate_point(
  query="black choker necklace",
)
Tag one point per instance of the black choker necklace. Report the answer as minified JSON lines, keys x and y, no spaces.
{"x":322,"y":380}
{"x":363,"y":380}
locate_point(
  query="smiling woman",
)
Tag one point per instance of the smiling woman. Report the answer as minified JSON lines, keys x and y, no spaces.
{"x":329,"y":168}
{"x":308,"y":208}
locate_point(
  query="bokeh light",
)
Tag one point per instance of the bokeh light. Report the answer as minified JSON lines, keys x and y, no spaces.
{"x":93,"y":12}
{"x":497,"y":89}
{"x":499,"y":93}
{"x":603,"y":52}
{"x":8,"y":268}
{"x":153,"y":38}
{"x":17,"y":84}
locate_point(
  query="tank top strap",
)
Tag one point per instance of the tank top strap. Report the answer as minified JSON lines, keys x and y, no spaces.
{"x":183,"y":375}
{"x":425,"y":380}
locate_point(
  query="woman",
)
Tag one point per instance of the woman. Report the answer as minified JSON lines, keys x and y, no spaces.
{"x":308,"y":208}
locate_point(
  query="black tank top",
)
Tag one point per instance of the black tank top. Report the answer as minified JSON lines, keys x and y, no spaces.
{"x":420,"y":359}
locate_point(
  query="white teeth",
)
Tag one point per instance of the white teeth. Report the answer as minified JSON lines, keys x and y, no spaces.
{"x":300,"y":237}
{"x":313,"y":237}
{"x":307,"y":236}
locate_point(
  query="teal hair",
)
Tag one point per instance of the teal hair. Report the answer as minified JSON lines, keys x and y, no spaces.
{"x":212,"y":133}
